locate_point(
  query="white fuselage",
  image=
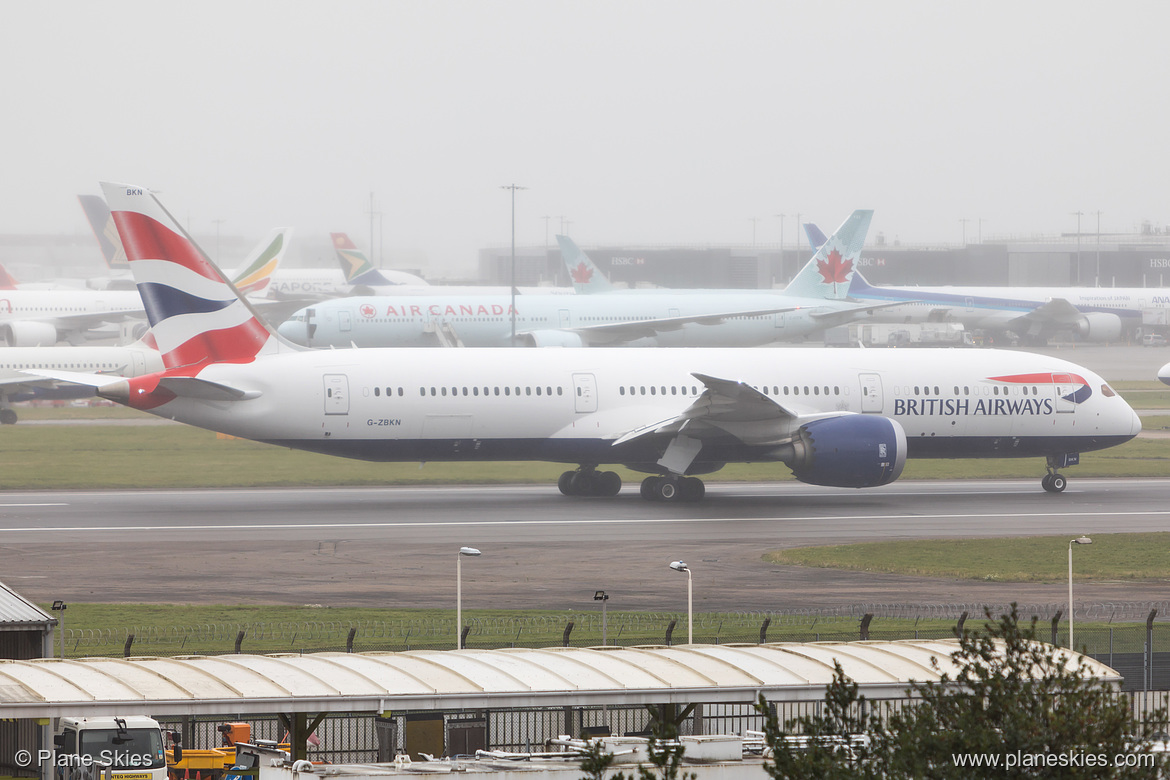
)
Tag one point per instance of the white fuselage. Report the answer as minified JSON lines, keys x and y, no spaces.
{"x":570,"y":405}
{"x":486,"y":320}
{"x":129,"y":361}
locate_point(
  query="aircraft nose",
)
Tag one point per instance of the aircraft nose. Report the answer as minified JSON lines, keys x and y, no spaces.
{"x":1164,"y":374}
{"x":1135,"y":423}
{"x":293,"y":331}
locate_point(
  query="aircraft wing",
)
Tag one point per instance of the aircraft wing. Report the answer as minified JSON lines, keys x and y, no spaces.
{"x":1057,"y":311}
{"x":731,"y":408}
{"x":835,"y":317}
{"x":630,"y":330}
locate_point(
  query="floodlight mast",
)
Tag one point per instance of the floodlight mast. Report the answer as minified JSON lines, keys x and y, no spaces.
{"x":469,"y":551}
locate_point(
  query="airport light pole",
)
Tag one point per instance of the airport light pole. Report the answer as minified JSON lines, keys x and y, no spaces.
{"x":1098,"y":248}
{"x":470,"y":551}
{"x":60,"y":606}
{"x":680,"y":566}
{"x":513,"y":187}
{"x":603,"y":597}
{"x":1078,"y":215}
{"x":754,"y":221}
{"x":963,"y":221}
{"x":1071,"y":542}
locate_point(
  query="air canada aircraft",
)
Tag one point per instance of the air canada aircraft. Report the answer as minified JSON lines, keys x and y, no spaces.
{"x":709,"y":318}
{"x":1096,"y":314}
{"x":835,"y":418}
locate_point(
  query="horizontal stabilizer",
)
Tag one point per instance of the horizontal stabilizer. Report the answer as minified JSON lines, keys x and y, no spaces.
{"x":206,"y":390}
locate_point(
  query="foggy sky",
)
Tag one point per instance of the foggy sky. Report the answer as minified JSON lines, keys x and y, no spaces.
{"x":641,"y":122}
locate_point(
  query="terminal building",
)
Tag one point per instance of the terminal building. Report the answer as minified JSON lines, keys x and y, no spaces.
{"x":1058,"y":261}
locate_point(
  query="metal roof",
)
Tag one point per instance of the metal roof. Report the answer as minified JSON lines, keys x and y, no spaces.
{"x":17,"y":612}
{"x":468,"y":679}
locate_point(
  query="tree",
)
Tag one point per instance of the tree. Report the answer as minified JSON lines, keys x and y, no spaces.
{"x":1013,"y":699}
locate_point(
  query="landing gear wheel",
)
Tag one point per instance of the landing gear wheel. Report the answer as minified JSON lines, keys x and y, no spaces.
{"x":693,"y":489}
{"x":583,"y":483}
{"x":668,"y":490}
{"x":565,"y":483}
{"x":608,"y":483}
{"x":7,"y":417}
{"x":649,"y":489}
{"x":1056,"y":483}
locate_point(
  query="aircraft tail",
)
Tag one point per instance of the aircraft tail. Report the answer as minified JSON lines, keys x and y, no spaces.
{"x":105,"y":231}
{"x":7,"y":280}
{"x":355,"y":266}
{"x":262,"y":262}
{"x":816,"y":237}
{"x":828,"y":273}
{"x":196,"y":314}
{"x":587,"y":277}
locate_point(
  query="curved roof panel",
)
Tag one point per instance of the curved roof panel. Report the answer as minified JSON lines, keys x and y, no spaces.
{"x":421,"y":680}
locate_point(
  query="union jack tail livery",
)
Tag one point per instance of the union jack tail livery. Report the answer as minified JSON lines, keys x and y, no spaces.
{"x":586,"y":277}
{"x":197,"y":316}
{"x":828,"y":273}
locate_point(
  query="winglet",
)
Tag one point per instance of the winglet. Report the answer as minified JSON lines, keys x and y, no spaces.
{"x":828,"y":273}
{"x":587,"y":277}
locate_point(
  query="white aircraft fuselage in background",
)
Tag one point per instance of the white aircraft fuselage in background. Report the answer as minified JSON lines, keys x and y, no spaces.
{"x":550,"y":320}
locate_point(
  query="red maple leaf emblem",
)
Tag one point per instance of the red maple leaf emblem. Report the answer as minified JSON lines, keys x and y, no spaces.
{"x":367,"y":310}
{"x":834,"y":270}
{"x":581,"y":274}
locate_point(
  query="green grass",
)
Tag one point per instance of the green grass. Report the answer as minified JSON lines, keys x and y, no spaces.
{"x":1117,"y":557}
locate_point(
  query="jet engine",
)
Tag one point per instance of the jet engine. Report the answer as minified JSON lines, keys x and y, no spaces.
{"x":553,"y":338}
{"x":1099,"y":326}
{"x":852,"y":450}
{"x":23,"y":333}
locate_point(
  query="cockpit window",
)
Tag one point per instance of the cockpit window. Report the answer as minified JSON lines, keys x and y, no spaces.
{"x":1107,"y":391}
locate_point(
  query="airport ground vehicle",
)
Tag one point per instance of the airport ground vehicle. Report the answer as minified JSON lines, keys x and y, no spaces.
{"x":133,"y":747}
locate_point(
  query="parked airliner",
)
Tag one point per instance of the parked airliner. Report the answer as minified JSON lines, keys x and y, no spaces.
{"x":834,"y":418}
{"x":41,"y":318}
{"x":813,"y":301}
{"x":134,"y":359}
{"x":1097,"y":314}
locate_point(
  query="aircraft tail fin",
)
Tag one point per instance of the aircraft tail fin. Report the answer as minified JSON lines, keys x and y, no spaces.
{"x":263,"y":261}
{"x":196,"y":314}
{"x":355,"y":266}
{"x":828,"y":273}
{"x":105,"y":231}
{"x":7,"y":280}
{"x":587,"y":277}
{"x":816,"y":237}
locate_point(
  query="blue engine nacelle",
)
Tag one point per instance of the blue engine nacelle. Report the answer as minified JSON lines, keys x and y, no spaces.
{"x":553,"y":338}
{"x":853,"y":450}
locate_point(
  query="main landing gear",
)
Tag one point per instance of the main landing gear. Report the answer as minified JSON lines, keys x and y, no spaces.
{"x":7,"y":416}
{"x":588,"y":481}
{"x":673,"y":489}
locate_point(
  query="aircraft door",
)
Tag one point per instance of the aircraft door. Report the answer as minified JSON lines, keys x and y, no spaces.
{"x":336,"y":394}
{"x":585,"y":393}
{"x":969,"y":303}
{"x":871,"y":393}
{"x":344,"y":320}
{"x":1064,"y":387}
{"x":566,"y":320}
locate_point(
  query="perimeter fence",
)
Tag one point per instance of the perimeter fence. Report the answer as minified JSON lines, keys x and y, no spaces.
{"x":1127,"y":636}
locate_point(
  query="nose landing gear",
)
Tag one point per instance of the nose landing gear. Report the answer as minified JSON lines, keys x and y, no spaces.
{"x":1054,"y":482}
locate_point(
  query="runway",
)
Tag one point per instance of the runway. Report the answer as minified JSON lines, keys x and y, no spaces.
{"x":396,"y":546}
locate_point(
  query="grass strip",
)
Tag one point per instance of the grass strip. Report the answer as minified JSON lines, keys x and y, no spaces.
{"x":1040,"y":559}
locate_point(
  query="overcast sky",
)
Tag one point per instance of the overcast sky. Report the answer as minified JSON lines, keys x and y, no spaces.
{"x":641,"y":122}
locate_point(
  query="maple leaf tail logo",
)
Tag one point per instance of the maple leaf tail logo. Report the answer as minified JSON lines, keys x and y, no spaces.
{"x":834,"y":270}
{"x":581,"y":274}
